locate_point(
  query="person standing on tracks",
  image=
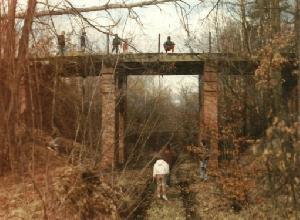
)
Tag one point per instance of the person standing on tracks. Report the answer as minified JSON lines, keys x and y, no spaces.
{"x":169,"y":155}
{"x":204,"y":157}
{"x":160,"y":171}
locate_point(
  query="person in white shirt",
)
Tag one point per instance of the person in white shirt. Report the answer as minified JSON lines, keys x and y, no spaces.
{"x":160,"y":171}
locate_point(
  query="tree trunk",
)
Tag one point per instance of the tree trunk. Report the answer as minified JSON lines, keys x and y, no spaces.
{"x":13,"y":72}
{"x":8,"y":117}
{"x":24,"y":79}
{"x":24,"y":40}
{"x":246,"y":47}
{"x":275,"y":16}
{"x":297,"y":30}
{"x":10,"y":32}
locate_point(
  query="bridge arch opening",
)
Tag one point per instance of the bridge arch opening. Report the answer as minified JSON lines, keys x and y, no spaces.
{"x":161,"y":110}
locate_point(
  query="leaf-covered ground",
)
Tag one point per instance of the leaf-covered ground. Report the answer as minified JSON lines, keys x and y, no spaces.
{"x":207,"y":199}
{"x":63,"y":194}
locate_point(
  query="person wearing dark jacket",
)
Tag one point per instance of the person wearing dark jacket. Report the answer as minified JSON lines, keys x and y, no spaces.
{"x":61,"y":40}
{"x":169,"y":45}
{"x":116,"y":44}
{"x":83,"y":41}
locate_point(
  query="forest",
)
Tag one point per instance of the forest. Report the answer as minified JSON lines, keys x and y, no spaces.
{"x":149,"y":109}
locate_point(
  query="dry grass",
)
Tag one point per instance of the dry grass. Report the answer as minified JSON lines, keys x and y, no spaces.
{"x":167,"y":210}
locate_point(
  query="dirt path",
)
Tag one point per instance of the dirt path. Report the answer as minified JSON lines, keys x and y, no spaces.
{"x":202,"y":199}
{"x":167,"y":210}
{"x":180,"y":201}
{"x":189,"y":198}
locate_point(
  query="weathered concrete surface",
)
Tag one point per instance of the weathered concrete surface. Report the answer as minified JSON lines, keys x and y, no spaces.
{"x":108,"y":137}
{"x":147,"y":63}
{"x":210,"y":110}
{"x":151,"y":57}
{"x":122,"y":85}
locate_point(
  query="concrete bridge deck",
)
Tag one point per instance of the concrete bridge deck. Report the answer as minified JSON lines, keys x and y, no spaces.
{"x":150,"y":57}
{"x":147,"y":63}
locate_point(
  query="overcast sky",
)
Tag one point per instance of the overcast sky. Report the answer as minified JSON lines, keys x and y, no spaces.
{"x":164,"y":20}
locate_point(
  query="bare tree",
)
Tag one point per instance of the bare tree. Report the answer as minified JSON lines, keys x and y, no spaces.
{"x":54,"y":11}
{"x":246,"y":46}
{"x":297,"y":34}
{"x":17,"y":81}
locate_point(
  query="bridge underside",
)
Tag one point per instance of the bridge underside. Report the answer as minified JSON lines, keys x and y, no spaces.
{"x":114,"y":70}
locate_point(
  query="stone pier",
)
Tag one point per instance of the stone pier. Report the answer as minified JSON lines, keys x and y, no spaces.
{"x":108,"y":137}
{"x":210,"y":110}
{"x":122,"y":105}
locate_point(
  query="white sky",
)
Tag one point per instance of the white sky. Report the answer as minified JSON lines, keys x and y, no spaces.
{"x":174,"y":83}
{"x":163,"y":19}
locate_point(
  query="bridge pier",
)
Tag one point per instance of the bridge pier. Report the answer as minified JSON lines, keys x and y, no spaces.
{"x":108,"y":118}
{"x":113,"y":94}
{"x":209,"y":116}
{"x":121,"y":113}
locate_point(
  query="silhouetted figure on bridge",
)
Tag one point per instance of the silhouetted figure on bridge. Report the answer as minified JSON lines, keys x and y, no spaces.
{"x":61,"y":40}
{"x":169,"y":45}
{"x":116,"y":44}
{"x":83,"y":41}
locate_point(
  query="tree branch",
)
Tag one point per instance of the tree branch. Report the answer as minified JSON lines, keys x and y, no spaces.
{"x":96,"y":8}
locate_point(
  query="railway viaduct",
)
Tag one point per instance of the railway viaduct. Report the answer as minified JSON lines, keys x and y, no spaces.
{"x":114,"y":69}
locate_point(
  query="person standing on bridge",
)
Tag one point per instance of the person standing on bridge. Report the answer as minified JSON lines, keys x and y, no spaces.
{"x":160,"y":171}
{"x":61,"y":40}
{"x":125,"y":46}
{"x":83,"y":40}
{"x":169,"y":45}
{"x":116,"y":44}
